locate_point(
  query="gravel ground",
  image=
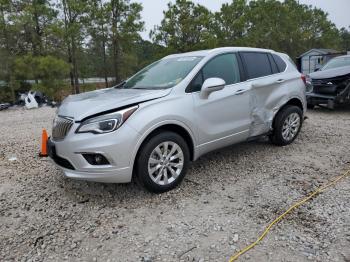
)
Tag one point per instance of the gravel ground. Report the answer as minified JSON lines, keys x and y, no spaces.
{"x":225,"y":202}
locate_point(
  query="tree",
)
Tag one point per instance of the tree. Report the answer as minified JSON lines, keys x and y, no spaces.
{"x":74,"y":19}
{"x":101,"y":38}
{"x":35,"y":17}
{"x":345,"y":39}
{"x":50,"y":70}
{"x":126,"y":24}
{"x":10,"y":45}
{"x":186,"y":26}
{"x":98,"y":30}
{"x":231,"y":23}
{"x":148,"y":52}
{"x":288,"y":27}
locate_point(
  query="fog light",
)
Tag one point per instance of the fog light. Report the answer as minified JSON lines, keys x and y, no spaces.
{"x":96,"y":159}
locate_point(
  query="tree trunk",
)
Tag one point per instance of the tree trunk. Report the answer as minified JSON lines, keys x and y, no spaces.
{"x":115,"y":41}
{"x":37,"y":41}
{"x":71,"y":75}
{"x":116,"y":61}
{"x":104,"y":56}
{"x":12,"y":87}
{"x":36,"y":37}
{"x":9,"y":70}
{"x":74,"y":79}
{"x":105,"y":64}
{"x":75,"y":67}
{"x":70,"y":60}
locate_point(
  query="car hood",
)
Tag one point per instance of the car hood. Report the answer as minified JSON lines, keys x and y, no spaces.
{"x":90,"y":103}
{"x":331,"y":73}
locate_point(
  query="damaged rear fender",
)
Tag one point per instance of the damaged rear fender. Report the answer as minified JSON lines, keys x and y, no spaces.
{"x":266,"y":101}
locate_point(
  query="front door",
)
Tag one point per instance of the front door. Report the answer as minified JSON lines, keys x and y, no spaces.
{"x":224,"y":117}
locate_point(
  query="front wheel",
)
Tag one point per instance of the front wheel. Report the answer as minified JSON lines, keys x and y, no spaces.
{"x":287,"y":125}
{"x":162,"y":162}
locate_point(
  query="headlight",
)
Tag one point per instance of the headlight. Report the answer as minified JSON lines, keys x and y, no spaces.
{"x":308,"y":85}
{"x":106,"y":123}
{"x":308,"y":79}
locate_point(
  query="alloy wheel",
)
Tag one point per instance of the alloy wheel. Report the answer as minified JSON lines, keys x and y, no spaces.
{"x":165,"y":163}
{"x":291,"y":126}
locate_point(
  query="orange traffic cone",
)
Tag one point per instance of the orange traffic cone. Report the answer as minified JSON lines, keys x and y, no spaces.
{"x":44,"y":139}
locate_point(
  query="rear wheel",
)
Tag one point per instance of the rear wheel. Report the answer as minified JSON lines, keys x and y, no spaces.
{"x":287,"y":125}
{"x":162,"y":162}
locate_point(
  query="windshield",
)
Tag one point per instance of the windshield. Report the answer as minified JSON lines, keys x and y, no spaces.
{"x":163,"y":74}
{"x":337,"y":62}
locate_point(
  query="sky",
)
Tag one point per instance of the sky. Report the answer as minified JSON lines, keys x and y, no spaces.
{"x":152,"y":14}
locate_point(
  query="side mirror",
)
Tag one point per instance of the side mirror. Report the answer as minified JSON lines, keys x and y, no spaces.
{"x":211,"y":85}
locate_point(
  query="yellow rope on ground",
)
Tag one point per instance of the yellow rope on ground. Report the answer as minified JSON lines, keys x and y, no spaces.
{"x":311,"y":195}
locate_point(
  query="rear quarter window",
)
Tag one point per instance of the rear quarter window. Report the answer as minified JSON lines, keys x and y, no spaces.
{"x":279,"y":62}
{"x":256,"y":64}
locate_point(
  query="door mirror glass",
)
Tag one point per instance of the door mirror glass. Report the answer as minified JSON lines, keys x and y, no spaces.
{"x":211,"y":85}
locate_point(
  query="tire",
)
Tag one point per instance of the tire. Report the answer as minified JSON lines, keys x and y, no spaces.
{"x":284,"y":122}
{"x":160,"y":170}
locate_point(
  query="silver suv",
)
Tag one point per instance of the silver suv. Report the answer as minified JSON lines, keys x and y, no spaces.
{"x":153,"y":125}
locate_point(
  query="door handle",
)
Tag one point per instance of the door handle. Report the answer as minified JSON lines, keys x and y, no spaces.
{"x":241,"y":91}
{"x":279,"y":81}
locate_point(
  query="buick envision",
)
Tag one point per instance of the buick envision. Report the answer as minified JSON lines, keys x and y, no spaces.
{"x":175,"y":110}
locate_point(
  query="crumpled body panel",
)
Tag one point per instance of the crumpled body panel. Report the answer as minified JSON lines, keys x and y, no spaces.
{"x":267,"y":96}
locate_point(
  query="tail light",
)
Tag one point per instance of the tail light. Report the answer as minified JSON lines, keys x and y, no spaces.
{"x":303,"y":77}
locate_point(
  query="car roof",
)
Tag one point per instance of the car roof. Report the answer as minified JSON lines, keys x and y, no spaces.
{"x":219,"y":50}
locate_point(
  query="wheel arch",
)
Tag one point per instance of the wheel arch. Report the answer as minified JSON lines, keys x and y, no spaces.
{"x":294,"y":101}
{"x":173,"y":126}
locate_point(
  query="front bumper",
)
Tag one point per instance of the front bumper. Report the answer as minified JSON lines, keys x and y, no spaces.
{"x":117,"y":147}
{"x":329,"y":94}
{"x":328,"y":100}
{"x":319,"y":99}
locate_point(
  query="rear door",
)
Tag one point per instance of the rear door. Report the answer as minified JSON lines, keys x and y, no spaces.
{"x":267,"y":80}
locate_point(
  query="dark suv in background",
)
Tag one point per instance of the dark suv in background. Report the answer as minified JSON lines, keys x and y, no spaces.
{"x":330,"y":86}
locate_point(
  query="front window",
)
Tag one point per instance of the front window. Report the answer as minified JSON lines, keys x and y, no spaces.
{"x":163,"y":74}
{"x":337,"y":62}
{"x":223,"y":66}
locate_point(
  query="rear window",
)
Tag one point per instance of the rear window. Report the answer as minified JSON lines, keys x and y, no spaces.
{"x":280,"y":63}
{"x":257,"y":64}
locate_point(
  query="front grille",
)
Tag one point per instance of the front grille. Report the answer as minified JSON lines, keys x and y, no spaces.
{"x":319,"y":82}
{"x":61,"y":127}
{"x":329,"y":86}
